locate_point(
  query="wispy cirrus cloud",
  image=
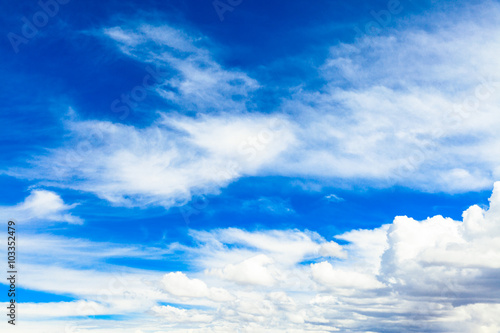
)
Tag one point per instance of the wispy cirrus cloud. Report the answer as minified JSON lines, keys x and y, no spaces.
{"x":383,"y":117}
{"x":193,"y":79}
{"x":414,"y":106}
{"x":165,"y":163}
{"x":274,"y":206}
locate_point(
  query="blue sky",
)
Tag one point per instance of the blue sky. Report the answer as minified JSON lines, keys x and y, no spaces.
{"x":252,"y":166}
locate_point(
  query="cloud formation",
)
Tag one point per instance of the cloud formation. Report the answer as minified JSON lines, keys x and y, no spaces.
{"x":40,"y":205}
{"x":192,"y":78}
{"x":414,"y":107}
{"x":165,"y":163}
{"x":433,"y":275}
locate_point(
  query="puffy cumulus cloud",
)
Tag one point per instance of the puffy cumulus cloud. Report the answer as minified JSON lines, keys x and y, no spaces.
{"x":325,"y":274}
{"x":446,"y":256}
{"x":178,"y":284}
{"x":477,"y":317}
{"x":402,"y":276}
{"x":165,"y":163}
{"x":432,"y":275}
{"x":257,"y":270}
{"x":40,"y":206}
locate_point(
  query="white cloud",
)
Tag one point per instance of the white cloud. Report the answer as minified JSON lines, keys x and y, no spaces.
{"x":178,"y":284}
{"x":285,"y":247}
{"x":45,"y":249}
{"x":325,"y":274}
{"x":176,"y":315}
{"x":194,"y":80}
{"x":333,"y":198}
{"x":40,"y":205}
{"x":166,"y":163}
{"x":331,"y":249}
{"x":257,"y":270}
{"x":63,"y":309}
{"x":405,"y":275}
{"x":415,"y":107}
{"x":272,"y":205}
